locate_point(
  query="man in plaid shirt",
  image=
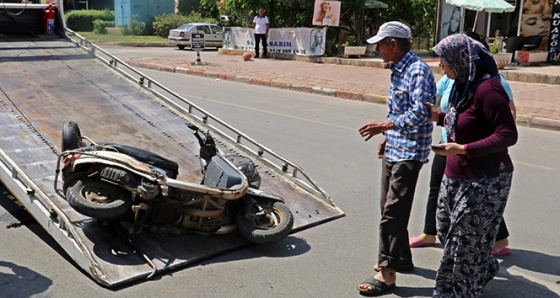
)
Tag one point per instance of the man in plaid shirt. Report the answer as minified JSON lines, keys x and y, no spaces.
{"x":404,"y":148}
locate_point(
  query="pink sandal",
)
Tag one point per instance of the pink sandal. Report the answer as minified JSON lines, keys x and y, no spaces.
{"x":417,"y":242}
{"x":504,"y":252}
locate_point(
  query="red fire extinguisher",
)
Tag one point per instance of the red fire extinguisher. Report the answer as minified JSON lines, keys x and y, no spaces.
{"x":48,"y":18}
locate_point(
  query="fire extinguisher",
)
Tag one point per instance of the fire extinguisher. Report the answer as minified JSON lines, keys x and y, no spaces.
{"x":48,"y":18}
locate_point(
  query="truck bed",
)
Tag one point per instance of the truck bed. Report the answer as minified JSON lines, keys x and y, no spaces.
{"x":45,"y":82}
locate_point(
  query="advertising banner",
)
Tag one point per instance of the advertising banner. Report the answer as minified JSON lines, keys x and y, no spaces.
{"x":326,"y":13}
{"x":554,"y":37}
{"x":450,"y":20}
{"x":295,"y":41}
{"x":535,"y":21}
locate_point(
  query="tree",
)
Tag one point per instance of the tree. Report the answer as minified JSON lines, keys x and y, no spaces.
{"x":209,"y":9}
{"x":418,"y":14}
{"x":185,"y":7}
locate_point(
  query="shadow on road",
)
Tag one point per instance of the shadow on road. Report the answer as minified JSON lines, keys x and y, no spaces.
{"x":20,"y":280}
{"x":520,"y":275}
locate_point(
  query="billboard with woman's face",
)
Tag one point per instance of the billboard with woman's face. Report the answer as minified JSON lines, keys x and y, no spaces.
{"x":450,"y":20}
{"x":326,"y":13}
{"x":535,"y":20}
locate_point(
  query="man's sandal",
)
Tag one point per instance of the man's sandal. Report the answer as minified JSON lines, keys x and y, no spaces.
{"x":376,"y":287}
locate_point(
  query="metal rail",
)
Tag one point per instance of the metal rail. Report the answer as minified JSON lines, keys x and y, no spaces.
{"x":48,"y":215}
{"x":205,"y":118}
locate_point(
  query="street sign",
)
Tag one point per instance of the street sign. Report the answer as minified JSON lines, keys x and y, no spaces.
{"x":197,"y":40}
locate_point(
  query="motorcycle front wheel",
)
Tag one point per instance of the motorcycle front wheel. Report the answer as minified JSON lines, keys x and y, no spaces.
{"x":268,"y":221}
{"x":98,"y":199}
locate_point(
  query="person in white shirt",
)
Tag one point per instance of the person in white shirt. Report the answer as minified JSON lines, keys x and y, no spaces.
{"x":260,"y":22}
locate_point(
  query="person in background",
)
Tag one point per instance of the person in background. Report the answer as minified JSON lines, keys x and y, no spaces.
{"x":428,"y":237}
{"x":261,"y":25}
{"x":404,"y":149}
{"x":478,"y":171}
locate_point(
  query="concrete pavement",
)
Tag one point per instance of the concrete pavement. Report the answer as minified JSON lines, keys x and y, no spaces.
{"x":535,"y":88}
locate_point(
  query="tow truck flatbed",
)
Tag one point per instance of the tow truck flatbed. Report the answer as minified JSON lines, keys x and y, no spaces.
{"x":46,"y":81}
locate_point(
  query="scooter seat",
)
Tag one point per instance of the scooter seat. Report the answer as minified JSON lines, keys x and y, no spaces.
{"x":170,"y":167}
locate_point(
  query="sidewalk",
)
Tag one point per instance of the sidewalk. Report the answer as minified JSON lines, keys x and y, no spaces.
{"x":535,"y":88}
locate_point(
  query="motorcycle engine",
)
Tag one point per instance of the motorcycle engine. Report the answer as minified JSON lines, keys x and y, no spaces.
{"x":148,"y":189}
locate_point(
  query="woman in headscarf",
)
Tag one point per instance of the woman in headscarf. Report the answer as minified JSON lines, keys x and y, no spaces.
{"x":478,"y":172}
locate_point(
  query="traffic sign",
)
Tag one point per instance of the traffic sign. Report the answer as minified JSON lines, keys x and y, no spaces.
{"x":197,"y":40}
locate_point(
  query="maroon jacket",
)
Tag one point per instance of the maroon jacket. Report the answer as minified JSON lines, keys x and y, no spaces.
{"x":487,"y":129}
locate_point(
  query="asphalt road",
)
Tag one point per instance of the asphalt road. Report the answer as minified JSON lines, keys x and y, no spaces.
{"x":320,"y":134}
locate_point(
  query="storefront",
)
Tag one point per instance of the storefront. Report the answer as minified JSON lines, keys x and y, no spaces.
{"x":534,"y":25}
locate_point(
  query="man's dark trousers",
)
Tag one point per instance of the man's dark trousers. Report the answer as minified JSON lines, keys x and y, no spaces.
{"x":398,"y":184}
{"x":258,"y":38}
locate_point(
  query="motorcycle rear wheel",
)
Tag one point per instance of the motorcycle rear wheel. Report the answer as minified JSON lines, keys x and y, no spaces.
{"x":71,"y":136}
{"x":274,"y":224}
{"x":98,"y":199}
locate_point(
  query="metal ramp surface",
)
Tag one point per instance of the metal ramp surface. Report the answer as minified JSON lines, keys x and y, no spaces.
{"x":44,"y":83}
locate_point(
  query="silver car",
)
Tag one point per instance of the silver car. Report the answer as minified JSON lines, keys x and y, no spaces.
{"x":213,"y":35}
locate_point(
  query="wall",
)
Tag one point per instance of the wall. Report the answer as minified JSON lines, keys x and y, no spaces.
{"x":144,"y":10}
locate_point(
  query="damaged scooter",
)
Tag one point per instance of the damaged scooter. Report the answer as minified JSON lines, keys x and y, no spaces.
{"x":119,"y":183}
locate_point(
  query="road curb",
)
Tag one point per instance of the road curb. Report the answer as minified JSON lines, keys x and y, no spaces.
{"x":344,"y":94}
{"x":524,"y":120}
{"x":546,"y":123}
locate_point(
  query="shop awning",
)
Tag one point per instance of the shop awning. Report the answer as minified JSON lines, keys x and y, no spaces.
{"x":375,"y":4}
{"x":494,"y":6}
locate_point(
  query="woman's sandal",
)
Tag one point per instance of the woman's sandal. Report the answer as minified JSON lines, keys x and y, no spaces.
{"x":377,"y":287}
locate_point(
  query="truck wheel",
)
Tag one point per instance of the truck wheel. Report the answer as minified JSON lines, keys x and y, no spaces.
{"x":98,"y":199}
{"x":71,"y":136}
{"x":181,"y":47}
{"x":269,"y":221}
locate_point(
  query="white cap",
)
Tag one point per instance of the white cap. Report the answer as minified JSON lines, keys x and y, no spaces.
{"x":391,"y":29}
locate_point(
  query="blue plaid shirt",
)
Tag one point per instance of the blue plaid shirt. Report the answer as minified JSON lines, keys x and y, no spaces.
{"x":412,"y":84}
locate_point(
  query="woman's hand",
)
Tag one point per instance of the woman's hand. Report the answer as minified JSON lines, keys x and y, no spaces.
{"x":450,"y":149}
{"x":435,"y":112}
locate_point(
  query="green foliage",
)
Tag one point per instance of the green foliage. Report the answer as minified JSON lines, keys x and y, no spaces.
{"x":162,"y":24}
{"x":100,"y":26}
{"x":240,"y":6}
{"x":352,"y":41}
{"x":209,"y":9}
{"x":293,"y":13}
{"x":82,"y":20}
{"x":186,"y":7}
{"x":136,"y":27}
{"x":495,"y":48}
{"x":420,"y":15}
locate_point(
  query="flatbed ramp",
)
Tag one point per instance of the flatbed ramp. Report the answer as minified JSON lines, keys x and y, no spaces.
{"x":45,"y":82}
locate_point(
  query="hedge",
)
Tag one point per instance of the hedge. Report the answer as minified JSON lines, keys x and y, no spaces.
{"x":82,"y":20}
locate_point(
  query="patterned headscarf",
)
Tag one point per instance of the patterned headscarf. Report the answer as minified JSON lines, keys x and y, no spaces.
{"x":472,"y":63}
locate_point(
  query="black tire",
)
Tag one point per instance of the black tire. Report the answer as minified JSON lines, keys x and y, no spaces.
{"x":272,"y":227}
{"x":181,"y":47}
{"x":71,"y":136}
{"x":113,"y":201}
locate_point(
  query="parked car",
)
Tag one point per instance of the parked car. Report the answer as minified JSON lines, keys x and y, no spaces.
{"x":213,"y":35}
